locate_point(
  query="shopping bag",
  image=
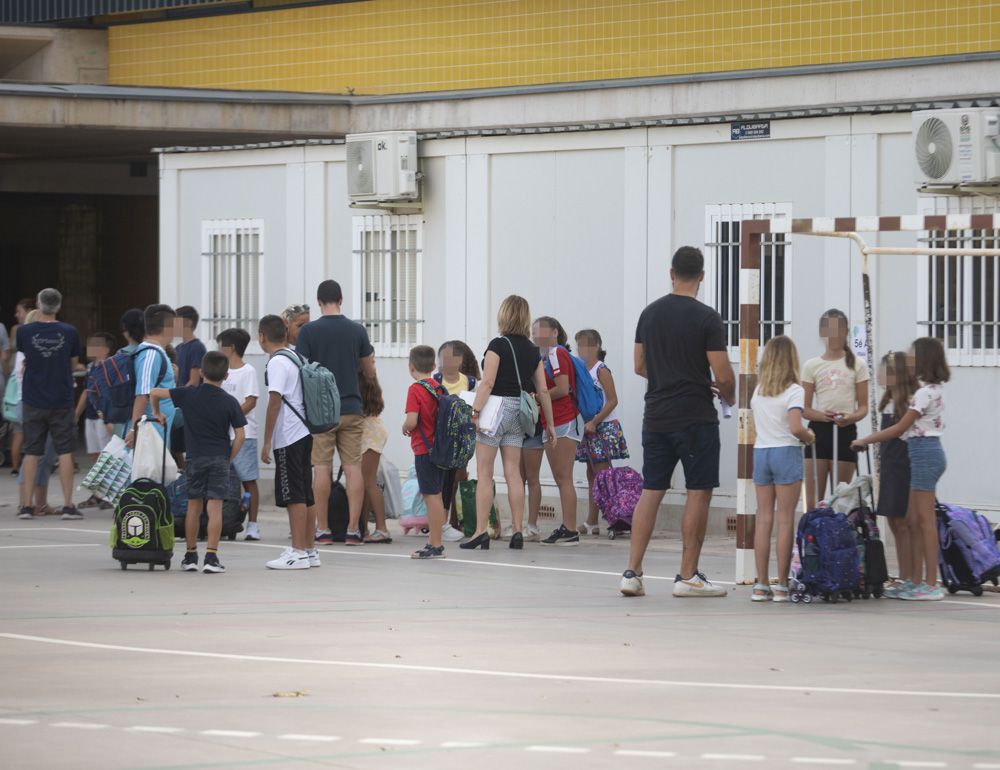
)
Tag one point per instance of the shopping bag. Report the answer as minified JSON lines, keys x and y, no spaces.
{"x":467,"y":510}
{"x":149,"y":461}
{"x":110,"y":474}
{"x":387,"y":477}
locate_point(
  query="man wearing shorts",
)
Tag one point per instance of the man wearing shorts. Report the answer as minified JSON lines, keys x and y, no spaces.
{"x":51,"y":352}
{"x":679,"y":344}
{"x":342,"y":346}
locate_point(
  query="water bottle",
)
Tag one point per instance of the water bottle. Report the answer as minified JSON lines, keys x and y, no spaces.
{"x":245,"y":502}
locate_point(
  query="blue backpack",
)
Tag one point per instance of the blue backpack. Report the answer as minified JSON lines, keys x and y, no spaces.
{"x":454,"y":431}
{"x":828,"y":550}
{"x":111,"y":384}
{"x":589,"y":400}
{"x":968,"y":554}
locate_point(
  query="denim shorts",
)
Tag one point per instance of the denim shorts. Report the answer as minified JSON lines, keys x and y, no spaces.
{"x":246,"y":461}
{"x":208,"y":477}
{"x":777,"y":465}
{"x":927,"y":462}
{"x":431,"y":480}
{"x":696,"y":448}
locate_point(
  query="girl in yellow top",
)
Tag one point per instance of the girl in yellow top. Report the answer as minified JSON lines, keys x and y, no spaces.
{"x":836,"y":398}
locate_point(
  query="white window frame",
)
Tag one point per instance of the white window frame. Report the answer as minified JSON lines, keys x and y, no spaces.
{"x":738,"y":212}
{"x":239,"y":302}
{"x":956,"y":322}
{"x":394,"y":324}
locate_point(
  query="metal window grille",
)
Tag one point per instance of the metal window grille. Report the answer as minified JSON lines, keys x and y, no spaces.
{"x":722,"y":269}
{"x":232,"y":292}
{"x":388,"y":264}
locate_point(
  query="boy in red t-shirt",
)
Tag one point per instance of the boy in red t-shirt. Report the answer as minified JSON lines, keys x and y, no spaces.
{"x":421,"y":418}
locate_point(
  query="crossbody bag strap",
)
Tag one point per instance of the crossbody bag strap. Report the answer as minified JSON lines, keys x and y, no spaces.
{"x":517,"y":369}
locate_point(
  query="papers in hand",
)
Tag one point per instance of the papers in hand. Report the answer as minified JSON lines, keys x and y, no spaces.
{"x":491,"y":415}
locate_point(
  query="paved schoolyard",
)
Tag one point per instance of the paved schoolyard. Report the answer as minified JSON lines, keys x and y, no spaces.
{"x":488,"y":659}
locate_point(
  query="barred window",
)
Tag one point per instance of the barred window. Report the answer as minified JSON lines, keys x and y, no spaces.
{"x":388,"y":263}
{"x":722,"y":268}
{"x":232,"y":252}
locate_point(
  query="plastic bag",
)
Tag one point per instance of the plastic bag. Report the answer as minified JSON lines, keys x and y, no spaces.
{"x":110,"y":474}
{"x":150,"y":456}
{"x":387,"y":477}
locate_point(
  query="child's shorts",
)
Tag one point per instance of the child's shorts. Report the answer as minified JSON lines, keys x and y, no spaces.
{"x":246,"y":462}
{"x":97,"y":436}
{"x":293,"y":474}
{"x":430,"y":478}
{"x":207,"y":477}
{"x":927,"y":462}
{"x":777,"y":465}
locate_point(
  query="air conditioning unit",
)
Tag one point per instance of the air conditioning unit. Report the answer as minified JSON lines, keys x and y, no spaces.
{"x":382,"y":167}
{"x":957,"y":148}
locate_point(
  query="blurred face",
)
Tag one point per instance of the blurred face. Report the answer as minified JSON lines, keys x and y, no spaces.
{"x":544,"y":336}
{"x":882,"y":377}
{"x":587,"y":349}
{"x":227,"y":351}
{"x":834,"y":330}
{"x":449,"y":362}
{"x":97,"y":349}
{"x":296,"y":325}
{"x":20,"y":313}
{"x":911,"y":361}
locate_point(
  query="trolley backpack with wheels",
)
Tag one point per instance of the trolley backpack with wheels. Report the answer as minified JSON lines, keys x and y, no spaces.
{"x":968,"y":555}
{"x":857,"y":500}
{"x":143,"y":531}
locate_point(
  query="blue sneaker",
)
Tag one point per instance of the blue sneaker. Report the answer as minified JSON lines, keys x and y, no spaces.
{"x":895,"y":591}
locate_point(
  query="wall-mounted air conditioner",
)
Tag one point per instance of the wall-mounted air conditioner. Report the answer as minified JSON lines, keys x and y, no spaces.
{"x":957,"y":147}
{"x":382,"y":167}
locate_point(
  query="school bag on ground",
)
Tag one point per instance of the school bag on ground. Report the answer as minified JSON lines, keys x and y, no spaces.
{"x":338,"y":510}
{"x":467,"y":509}
{"x":387,"y":477}
{"x":234,"y":509}
{"x":320,"y":395}
{"x":454,"y":432}
{"x":857,"y":500}
{"x":143,"y":530}
{"x":414,"y":516}
{"x":968,"y":555}
{"x":589,"y":400}
{"x":616,"y":493}
{"x":111,"y":383}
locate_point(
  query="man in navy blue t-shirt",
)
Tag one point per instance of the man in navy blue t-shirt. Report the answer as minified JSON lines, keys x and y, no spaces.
{"x":51,"y":352}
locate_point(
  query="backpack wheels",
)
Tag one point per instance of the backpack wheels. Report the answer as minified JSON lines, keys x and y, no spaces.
{"x":977,"y":591}
{"x":952,"y":588}
{"x":124,"y":564}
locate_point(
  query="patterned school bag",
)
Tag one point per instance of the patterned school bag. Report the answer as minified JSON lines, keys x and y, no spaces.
{"x":616,"y":492}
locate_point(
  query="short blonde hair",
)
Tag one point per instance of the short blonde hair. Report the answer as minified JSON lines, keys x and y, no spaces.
{"x":779,"y":366}
{"x":514,"y":316}
{"x":31,"y":317}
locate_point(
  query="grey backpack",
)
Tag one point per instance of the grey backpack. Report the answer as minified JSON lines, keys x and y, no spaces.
{"x":320,"y":395}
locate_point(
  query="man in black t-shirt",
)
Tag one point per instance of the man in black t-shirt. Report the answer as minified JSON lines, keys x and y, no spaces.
{"x":679,"y":344}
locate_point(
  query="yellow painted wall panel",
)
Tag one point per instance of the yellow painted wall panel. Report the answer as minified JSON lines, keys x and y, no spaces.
{"x":398,"y":46}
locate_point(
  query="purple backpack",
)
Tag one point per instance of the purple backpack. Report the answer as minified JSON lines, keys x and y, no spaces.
{"x":968,"y":553}
{"x":616,"y":492}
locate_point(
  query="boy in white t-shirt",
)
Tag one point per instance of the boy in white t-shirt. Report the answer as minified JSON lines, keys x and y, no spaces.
{"x":242,"y":385}
{"x":286,"y":433}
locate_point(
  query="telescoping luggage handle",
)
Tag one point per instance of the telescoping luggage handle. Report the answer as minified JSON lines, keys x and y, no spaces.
{"x":163,"y":462}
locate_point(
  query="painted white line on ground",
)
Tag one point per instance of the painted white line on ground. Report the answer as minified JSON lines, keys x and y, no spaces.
{"x":154,"y":729}
{"x":976,"y":604}
{"x":986,"y":766}
{"x":230,"y":733}
{"x":53,"y":529}
{"x":822,"y":761}
{"x":640,"y":753}
{"x":9,"y":721}
{"x":315,"y":738}
{"x":913,"y":763}
{"x":54,"y":545}
{"x":461,"y":745}
{"x":81,"y":725}
{"x":508,"y":674}
{"x":558,"y":749}
{"x":735,"y":757}
{"x":390,"y":741}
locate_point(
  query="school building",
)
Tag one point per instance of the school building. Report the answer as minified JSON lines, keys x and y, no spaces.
{"x":564,"y":151}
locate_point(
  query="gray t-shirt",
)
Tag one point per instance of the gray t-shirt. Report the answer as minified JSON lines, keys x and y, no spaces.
{"x":339,"y":344}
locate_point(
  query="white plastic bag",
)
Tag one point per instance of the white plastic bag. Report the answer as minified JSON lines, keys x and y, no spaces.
{"x":387,"y":477}
{"x":150,"y":456}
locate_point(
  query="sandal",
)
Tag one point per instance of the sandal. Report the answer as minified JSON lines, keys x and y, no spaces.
{"x":589,"y":529}
{"x":379,"y":537}
{"x":780,"y":594}
{"x":765,"y":596}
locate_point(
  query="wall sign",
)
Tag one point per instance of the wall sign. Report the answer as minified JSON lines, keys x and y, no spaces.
{"x":750,"y":129}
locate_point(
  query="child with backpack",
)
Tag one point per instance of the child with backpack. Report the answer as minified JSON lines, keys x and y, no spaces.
{"x":209,"y":415}
{"x":420,"y":426}
{"x":458,"y":372}
{"x":894,"y":463}
{"x":777,"y":403}
{"x":603,"y":438}
{"x":373,"y":440}
{"x":241,"y":384}
{"x":921,"y":427}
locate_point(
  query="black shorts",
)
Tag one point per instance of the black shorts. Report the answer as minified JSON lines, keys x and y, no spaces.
{"x":207,"y":477}
{"x":430,"y":478}
{"x":39,"y":424}
{"x":696,"y":447}
{"x":293,"y":474}
{"x":824,"y":442}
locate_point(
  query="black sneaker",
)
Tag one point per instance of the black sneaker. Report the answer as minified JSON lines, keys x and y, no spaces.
{"x":190,"y":562}
{"x":26,"y":512}
{"x":212,"y":563}
{"x":429,"y":552}
{"x":70,"y":513}
{"x":563,"y":536}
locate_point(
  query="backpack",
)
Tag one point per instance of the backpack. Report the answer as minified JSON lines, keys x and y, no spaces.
{"x":111,"y":384}
{"x":968,"y":553}
{"x":589,"y":400}
{"x":10,"y":399}
{"x":320,"y":395}
{"x":454,"y":431}
{"x":828,"y":550}
{"x":616,"y":493}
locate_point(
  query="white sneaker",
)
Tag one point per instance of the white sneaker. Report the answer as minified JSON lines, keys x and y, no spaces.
{"x":450,"y":534}
{"x":314,"y":558}
{"x":631,"y":584}
{"x":290,"y":559}
{"x":532,"y":534}
{"x":253,"y":532}
{"x":698,"y":586}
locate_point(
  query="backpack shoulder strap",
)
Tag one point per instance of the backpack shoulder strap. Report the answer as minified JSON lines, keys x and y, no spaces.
{"x":437,"y":392}
{"x":299,"y":362}
{"x":164,"y":362}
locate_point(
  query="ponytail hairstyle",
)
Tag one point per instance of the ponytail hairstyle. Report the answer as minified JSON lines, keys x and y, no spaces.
{"x":593,"y":338}
{"x":903,"y":386}
{"x":841,"y":316}
{"x":779,"y":366}
{"x":372,"y":402}
{"x":930,"y":361}
{"x":561,"y":337}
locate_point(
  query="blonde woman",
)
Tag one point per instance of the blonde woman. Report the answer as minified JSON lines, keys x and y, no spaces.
{"x":777,"y":403}
{"x":512,"y":364}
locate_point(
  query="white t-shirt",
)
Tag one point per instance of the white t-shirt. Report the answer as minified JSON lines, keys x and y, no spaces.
{"x":770,"y":417}
{"x":242,"y":384}
{"x":834,"y":384}
{"x":928,"y":401}
{"x":283,"y":377}
{"x":597,"y":383}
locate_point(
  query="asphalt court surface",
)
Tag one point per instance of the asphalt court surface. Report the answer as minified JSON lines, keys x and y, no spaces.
{"x":485,"y":658}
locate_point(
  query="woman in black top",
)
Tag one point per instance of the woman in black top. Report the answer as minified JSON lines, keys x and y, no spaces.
{"x":511,"y":364}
